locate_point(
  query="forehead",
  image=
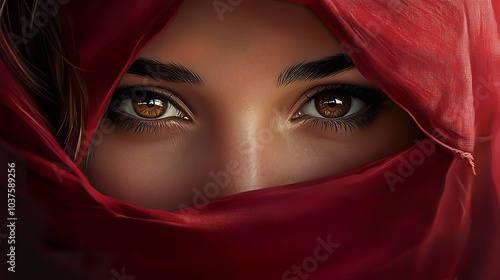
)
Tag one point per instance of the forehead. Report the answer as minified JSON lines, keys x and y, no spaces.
{"x":266,"y":35}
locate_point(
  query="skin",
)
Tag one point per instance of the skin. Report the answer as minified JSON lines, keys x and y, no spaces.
{"x":241,"y":134}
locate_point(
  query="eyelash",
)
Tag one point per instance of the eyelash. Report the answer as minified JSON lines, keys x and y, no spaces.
{"x":350,"y":124}
{"x":146,"y":127}
{"x":373,"y":98}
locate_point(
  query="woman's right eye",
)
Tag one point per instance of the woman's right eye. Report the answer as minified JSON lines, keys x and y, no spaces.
{"x":148,"y":110}
{"x":147,"y":104}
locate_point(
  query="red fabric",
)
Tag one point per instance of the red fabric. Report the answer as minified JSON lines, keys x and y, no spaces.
{"x":398,"y":218}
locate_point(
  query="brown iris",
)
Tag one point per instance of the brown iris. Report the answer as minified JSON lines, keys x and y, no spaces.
{"x":151,"y":108}
{"x":333,"y":104}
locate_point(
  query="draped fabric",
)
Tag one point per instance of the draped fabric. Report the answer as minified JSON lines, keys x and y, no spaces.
{"x":430,"y":212}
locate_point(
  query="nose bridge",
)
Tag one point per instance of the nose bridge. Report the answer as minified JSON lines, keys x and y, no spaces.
{"x":243,"y":149}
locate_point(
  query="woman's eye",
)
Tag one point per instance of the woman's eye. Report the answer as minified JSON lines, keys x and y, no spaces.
{"x":150,"y":106}
{"x":332,"y":104}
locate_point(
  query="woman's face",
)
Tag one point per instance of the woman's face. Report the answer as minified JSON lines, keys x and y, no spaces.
{"x":231,"y":100}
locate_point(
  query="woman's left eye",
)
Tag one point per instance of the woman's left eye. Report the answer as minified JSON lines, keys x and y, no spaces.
{"x":340,"y":107}
{"x":333,"y":104}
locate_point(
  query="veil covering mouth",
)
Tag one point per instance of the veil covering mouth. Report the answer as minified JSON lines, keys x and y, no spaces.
{"x":429,"y":212}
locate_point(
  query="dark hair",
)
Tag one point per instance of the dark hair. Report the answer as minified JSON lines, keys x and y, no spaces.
{"x":34,"y":52}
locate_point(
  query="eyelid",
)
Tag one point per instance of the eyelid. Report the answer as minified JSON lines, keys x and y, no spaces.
{"x":368,"y":95}
{"x":371,"y":96}
{"x":168,"y":94}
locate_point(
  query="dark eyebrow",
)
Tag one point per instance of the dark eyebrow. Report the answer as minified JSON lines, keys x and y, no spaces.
{"x":307,"y":71}
{"x":170,"y":72}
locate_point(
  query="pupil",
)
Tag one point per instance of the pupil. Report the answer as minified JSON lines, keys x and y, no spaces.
{"x":151,"y":103}
{"x":333,"y":102}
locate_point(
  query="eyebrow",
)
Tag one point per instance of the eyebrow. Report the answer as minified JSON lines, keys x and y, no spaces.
{"x":169,"y":72}
{"x":307,"y":71}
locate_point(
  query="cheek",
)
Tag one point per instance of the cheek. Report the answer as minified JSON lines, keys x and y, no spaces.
{"x":393,"y":131}
{"x":146,"y":173}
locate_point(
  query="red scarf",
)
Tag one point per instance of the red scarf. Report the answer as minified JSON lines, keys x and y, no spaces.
{"x":420,"y":214}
